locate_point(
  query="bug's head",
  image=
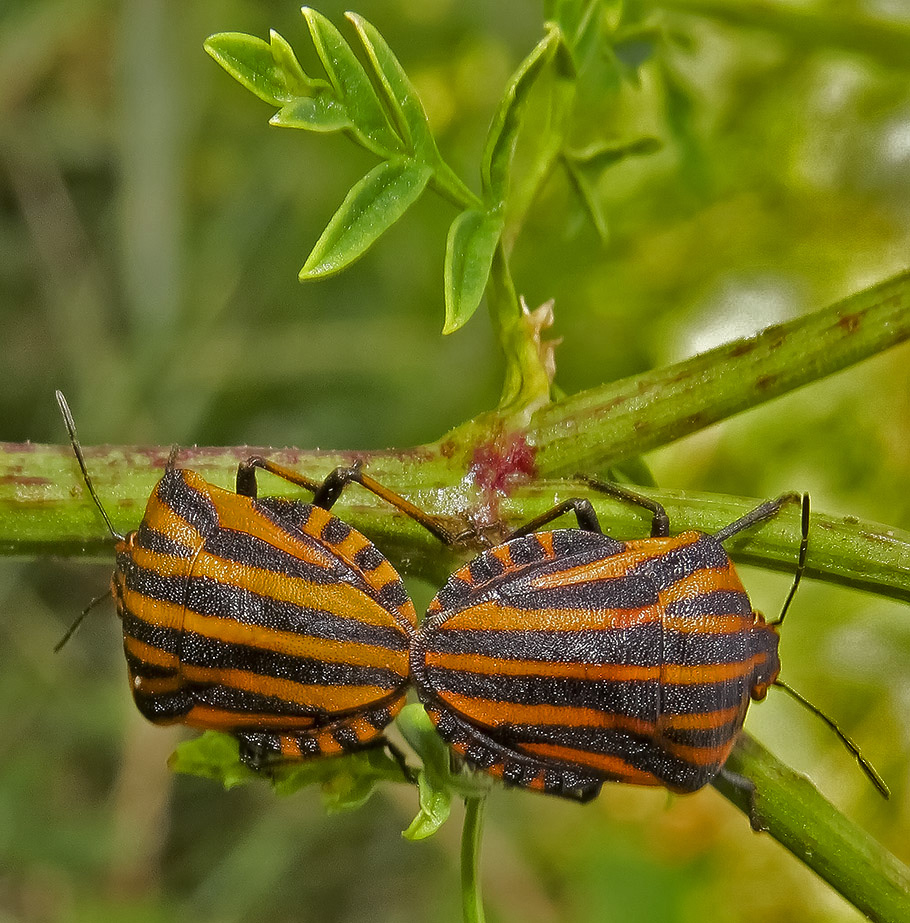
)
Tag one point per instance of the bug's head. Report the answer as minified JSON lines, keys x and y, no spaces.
{"x":765,"y":657}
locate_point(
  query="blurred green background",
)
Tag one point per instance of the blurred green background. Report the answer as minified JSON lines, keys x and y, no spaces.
{"x":151,"y":230}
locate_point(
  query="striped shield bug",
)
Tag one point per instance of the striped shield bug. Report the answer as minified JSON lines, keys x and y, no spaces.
{"x":559,"y":660}
{"x":270,"y":619}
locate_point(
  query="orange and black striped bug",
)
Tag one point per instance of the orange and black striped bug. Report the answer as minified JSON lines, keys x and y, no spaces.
{"x":270,"y":619}
{"x":559,"y":660}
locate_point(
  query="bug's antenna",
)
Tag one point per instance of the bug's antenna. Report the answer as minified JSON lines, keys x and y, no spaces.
{"x":800,"y":563}
{"x":864,"y":764}
{"x":74,"y":439}
{"x":72,"y":629}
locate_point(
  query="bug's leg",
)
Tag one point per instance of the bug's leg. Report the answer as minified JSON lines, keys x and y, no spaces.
{"x":332,"y":487}
{"x":397,"y":754}
{"x":584,"y":513}
{"x":762,"y":513}
{"x":260,"y":750}
{"x":246,"y":476}
{"x":327,"y":492}
{"x":511,"y":766}
{"x":734,"y":780}
{"x":800,"y":560}
{"x":660,"y":521}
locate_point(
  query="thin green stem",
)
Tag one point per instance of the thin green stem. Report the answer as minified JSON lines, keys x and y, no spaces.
{"x":451,"y":187}
{"x":471,"y":900}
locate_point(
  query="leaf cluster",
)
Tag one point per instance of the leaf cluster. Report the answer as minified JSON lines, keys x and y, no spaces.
{"x":375,"y":104}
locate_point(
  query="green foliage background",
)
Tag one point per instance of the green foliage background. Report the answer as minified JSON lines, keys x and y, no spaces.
{"x":151,"y":230}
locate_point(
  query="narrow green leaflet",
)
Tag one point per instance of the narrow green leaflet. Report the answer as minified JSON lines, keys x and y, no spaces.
{"x":408,"y":114}
{"x":353,"y":86}
{"x":313,"y":113}
{"x":587,"y":195}
{"x":583,"y":168}
{"x":472,"y":241}
{"x":579,"y":19}
{"x":601,"y":156}
{"x":269,"y":70}
{"x":401,"y":98}
{"x":369,"y":209}
{"x":500,"y":144}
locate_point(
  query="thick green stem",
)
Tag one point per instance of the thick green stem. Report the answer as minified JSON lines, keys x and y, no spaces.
{"x":597,"y":428}
{"x":789,"y":807}
{"x":471,"y":900}
{"x":44,"y":510}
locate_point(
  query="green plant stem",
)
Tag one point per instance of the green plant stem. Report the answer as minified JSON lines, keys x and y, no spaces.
{"x":602,"y":426}
{"x":789,"y":807}
{"x":45,"y":511}
{"x":526,"y":385}
{"x":451,"y":187}
{"x":471,"y":900}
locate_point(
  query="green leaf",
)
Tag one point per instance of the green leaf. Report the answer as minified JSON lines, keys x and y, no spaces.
{"x":402,"y":100}
{"x":408,"y":114}
{"x":270,"y":70}
{"x":212,"y":755}
{"x":587,"y":195}
{"x":583,"y":167}
{"x":581,"y":20}
{"x":347,"y":781}
{"x":314,"y":113}
{"x":351,"y":786}
{"x":472,"y":241}
{"x":500,"y":144}
{"x":369,"y":209}
{"x":435,"y":781}
{"x":435,"y":806}
{"x":602,"y":155}
{"x":352,"y":86}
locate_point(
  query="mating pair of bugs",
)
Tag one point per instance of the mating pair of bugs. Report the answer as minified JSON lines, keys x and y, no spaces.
{"x":556,"y":661}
